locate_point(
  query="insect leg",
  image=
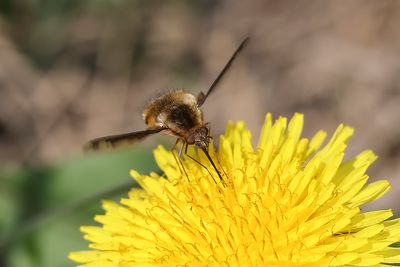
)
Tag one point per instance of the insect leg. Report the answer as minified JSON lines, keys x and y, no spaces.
{"x":176,"y":143}
{"x":180,"y":150}
{"x":202,"y":165}
{"x":178,"y":159}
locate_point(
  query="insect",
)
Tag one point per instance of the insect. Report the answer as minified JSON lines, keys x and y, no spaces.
{"x":177,"y":113}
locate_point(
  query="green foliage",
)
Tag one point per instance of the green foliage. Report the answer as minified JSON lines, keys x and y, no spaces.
{"x":43,"y":208}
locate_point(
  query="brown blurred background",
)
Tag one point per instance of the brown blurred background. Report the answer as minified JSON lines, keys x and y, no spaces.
{"x":72,"y":70}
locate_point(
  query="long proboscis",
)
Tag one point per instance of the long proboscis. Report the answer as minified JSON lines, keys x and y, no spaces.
{"x":212,"y":163}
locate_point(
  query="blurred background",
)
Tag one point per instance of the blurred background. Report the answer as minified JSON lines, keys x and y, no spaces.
{"x":73,"y":70}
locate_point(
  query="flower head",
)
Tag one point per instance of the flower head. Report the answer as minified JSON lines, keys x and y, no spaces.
{"x":286,"y":202}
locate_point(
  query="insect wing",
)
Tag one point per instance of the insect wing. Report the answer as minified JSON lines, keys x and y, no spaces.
{"x":201,"y":98}
{"x":119,"y":140}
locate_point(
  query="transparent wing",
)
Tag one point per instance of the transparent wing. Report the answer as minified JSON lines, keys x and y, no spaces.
{"x":201,"y":98}
{"x":119,"y":140}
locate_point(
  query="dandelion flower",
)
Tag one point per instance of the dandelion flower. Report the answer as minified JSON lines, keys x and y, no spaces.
{"x":287,"y":202}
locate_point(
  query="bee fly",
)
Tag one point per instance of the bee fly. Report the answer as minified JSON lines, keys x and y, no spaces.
{"x":175,"y":113}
